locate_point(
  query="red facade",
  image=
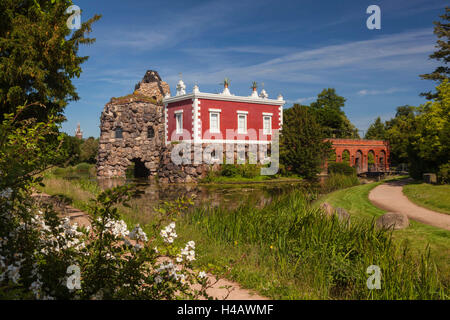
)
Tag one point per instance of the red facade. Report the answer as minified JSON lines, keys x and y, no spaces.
{"x":227,"y":110}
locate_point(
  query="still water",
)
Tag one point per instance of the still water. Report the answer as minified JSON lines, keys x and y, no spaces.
{"x":227,"y":195}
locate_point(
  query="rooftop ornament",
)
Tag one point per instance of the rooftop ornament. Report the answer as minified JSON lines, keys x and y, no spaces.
{"x":254,"y":87}
{"x":181,"y":87}
{"x":226,"y":83}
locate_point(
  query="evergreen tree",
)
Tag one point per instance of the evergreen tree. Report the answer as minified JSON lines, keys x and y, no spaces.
{"x":38,"y":56}
{"x":442,"y":31}
{"x":302,"y":146}
{"x":329,"y":114}
{"x":376,"y":131}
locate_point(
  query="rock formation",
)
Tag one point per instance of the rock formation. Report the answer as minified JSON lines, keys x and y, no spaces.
{"x":152,"y":86}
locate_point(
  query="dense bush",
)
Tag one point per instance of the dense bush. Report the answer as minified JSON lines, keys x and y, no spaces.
{"x":45,"y":257}
{"x":444,"y":173}
{"x":341,"y":168}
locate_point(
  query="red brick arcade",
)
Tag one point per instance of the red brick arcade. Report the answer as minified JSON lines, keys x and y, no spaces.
{"x":359,"y":152}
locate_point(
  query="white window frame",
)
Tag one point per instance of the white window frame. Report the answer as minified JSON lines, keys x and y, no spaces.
{"x":215,"y":112}
{"x":265,"y":129}
{"x":179,"y":124}
{"x":242,"y":114}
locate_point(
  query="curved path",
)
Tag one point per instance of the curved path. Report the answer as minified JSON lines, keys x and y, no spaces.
{"x":389,"y":196}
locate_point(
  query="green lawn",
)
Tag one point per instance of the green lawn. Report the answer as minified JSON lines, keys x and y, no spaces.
{"x":433,"y":197}
{"x":355,"y":200}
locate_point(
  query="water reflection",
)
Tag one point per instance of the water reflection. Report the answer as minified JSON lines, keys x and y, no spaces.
{"x":230,"y":196}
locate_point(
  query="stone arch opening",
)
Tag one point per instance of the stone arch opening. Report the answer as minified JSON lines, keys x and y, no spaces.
{"x":139,"y":169}
{"x":346,"y":156}
{"x":371,"y":161}
{"x":359,"y":161}
{"x":382,"y":160}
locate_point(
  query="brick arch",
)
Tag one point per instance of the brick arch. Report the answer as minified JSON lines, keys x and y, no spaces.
{"x":379,"y":148}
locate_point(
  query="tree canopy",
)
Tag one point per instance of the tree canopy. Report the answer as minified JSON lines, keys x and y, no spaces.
{"x":329,"y":114}
{"x":38,"y":56}
{"x":442,"y":54}
{"x":302,"y":146}
{"x":376,"y":131}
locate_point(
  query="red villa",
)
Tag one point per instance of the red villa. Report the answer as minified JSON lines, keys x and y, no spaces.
{"x":223,"y":118}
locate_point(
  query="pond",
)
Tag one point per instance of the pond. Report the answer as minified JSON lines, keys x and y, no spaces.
{"x":226,"y":195}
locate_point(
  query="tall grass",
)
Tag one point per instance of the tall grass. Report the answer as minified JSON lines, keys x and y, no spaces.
{"x":323,"y":256}
{"x":336,"y":181}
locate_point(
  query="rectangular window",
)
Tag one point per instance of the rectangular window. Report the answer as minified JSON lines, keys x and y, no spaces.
{"x":267,"y":125}
{"x":179,"y":122}
{"x":214,"y":122}
{"x":242,"y":123}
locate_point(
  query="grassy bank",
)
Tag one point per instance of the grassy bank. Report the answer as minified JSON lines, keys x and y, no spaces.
{"x":418,"y":236}
{"x":288,"y":250}
{"x":433,"y":197}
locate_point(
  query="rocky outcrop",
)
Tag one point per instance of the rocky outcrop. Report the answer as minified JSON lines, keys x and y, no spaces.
{"x":152,"y":86}
{"x":392,"y":220}
{"x":341,"y":213}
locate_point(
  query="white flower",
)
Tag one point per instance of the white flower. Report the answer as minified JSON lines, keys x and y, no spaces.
{"x":13,"y":273}
{"x":138,"y":234}
{"x":6,"y":193}
{"x":202,"y":274}
{"x":158,"y":279}
{"x":191,"y":244}
{"x":156,"y":249}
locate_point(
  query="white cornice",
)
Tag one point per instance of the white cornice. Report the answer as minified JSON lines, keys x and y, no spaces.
{"x":213,"y":96}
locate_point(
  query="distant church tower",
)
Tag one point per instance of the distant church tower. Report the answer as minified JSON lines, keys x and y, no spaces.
{"x":78,"y":132}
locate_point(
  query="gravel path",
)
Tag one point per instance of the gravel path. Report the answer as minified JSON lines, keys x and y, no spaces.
{"x":389,"y":196}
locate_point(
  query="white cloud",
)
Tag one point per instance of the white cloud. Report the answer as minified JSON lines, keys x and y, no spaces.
{"x":366,"y":92}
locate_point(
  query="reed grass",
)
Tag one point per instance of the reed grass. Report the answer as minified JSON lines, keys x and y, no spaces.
{"x":321,"y":256}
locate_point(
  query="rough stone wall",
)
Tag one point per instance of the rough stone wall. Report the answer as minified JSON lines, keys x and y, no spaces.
{"x":152,"y":86}
{"x":134,"y":117}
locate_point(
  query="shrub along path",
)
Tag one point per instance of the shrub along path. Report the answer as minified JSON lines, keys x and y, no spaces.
{"x":220,"y":289}
{"x":389,"y":196}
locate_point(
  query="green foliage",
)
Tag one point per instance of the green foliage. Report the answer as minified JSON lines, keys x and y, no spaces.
{"x":338,"y":180}
{"x":88,"y":150}
{"x":346,"y":157}
{"x":302,"y":147}
{"x":329,"y":114}
{"x":341,"y":168}
{"x":429,"y":146}
{"x":38,"y":56}
{"x":321,"y":256}
{"x":376,"y":131}
{"x":444,"y":173}
{"x":37,"y":248}
{"x":442,"y":31}
{"x":398,"y":132}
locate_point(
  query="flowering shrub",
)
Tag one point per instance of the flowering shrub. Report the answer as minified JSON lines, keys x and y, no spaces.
{"x":43,"y":256}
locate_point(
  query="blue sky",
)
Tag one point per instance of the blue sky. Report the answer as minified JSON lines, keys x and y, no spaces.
{"x":295,"y":48}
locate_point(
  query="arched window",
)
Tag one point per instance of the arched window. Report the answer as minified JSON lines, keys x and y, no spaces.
{"x":119,"y":133}
{"x":150,"y":132}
